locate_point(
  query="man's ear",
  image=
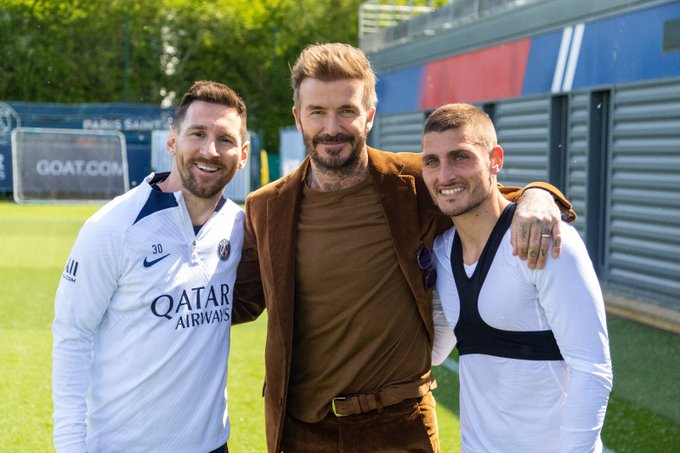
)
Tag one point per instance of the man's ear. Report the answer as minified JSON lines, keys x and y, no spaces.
{"x":243,"y":158}
{"x":296,"y":114}
{"x":172,"y":141}
{"x":370,"y":117}
{"x":496,"y":163}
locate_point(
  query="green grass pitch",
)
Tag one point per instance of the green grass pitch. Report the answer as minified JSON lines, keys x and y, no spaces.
{"x":643,"y":414}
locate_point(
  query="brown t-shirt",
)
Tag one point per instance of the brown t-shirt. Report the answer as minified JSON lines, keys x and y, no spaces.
{"x":357,"y":327}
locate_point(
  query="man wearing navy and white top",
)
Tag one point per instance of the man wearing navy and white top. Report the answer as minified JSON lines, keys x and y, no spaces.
{"x":143,"y":309}
{"x":535,"y":369}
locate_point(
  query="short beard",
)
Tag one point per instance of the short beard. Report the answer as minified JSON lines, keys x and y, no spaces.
{"x":335,"y":163}
{"x":480,"y":196}
{"x":206,"y":191}
{"x":465,"y":209}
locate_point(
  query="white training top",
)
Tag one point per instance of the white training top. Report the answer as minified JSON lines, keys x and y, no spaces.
{"x":141,"y":328}
{"x":511,"y":405}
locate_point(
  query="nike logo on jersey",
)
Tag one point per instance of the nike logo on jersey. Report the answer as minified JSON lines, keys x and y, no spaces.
{"x":148,"y":263}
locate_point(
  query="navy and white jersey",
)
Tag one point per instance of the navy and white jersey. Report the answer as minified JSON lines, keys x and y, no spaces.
{"x":142,"y":327}
{"x":509,"y":404}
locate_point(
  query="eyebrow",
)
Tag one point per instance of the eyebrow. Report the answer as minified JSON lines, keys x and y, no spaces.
{"x":449,"y":153}
{"x":320,"y":107}
{"x":199,"y":127}
{"x":195,"y":126}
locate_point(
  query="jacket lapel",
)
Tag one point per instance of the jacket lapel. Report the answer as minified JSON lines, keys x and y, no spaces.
{"x":282,"y":217}
{"x":398,"y":198}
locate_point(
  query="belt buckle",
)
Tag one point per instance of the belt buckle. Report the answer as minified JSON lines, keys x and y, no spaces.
{"x":335,"y":411}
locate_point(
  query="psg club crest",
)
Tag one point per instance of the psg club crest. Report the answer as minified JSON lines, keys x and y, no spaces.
{"x":223,"y":250}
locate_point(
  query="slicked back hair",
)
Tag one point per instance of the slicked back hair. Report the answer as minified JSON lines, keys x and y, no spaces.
{"x":334,"y":61}
{"x":214,"y":93}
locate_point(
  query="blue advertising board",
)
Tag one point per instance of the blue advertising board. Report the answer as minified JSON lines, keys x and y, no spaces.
{"x":136,"y":122}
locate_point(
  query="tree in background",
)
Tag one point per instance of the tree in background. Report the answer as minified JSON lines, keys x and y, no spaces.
{"x":88,"y":51}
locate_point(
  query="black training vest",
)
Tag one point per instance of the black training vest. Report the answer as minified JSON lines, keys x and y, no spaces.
{"x":473,"y":335}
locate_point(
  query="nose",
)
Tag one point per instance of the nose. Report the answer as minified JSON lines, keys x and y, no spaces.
{"x":209,"y":148}
{"x":446,"y":172}
{"x":332,"y":125}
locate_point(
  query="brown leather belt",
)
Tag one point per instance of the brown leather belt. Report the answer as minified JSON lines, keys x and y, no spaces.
{"x":361,"y":403}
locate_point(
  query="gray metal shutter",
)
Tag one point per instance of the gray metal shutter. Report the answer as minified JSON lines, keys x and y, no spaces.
{"x":401,"y":132}
{"x":643,"y":231}
{"x":522,"y":126}
{"x":577,"y":157}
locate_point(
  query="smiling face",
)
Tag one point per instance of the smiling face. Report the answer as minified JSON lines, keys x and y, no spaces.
{"x":207,"y":148}
{"x":334,"y":122}
{"x":459,"y":172}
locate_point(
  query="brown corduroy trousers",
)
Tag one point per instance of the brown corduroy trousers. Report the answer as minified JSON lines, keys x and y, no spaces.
{"x":409,"y":426}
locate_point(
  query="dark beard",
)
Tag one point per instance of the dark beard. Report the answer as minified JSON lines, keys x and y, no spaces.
{"x":206,"y":191}
{"x":335,"y":163}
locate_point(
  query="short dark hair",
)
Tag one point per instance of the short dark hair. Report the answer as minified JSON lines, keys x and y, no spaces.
{"x":215,"y":93}
{"x":460,"y":115}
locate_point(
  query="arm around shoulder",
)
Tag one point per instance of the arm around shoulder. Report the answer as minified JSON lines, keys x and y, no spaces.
{"x":513,"y":193}
{"x":536,"y":222}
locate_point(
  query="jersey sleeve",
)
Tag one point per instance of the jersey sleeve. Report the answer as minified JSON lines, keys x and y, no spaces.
{"x":84,"y":293}
{"x":444,"y":339}
{"x":571,"y":297}
{"x":445,"y":302}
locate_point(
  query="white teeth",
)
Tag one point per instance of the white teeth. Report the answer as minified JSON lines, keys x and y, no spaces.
{"x":206,"y":167}
{"x":451,"y":191}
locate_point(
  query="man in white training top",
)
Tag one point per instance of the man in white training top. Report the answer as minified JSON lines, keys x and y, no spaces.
{"x":535,"y":369}
{"x":143,"y":309}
